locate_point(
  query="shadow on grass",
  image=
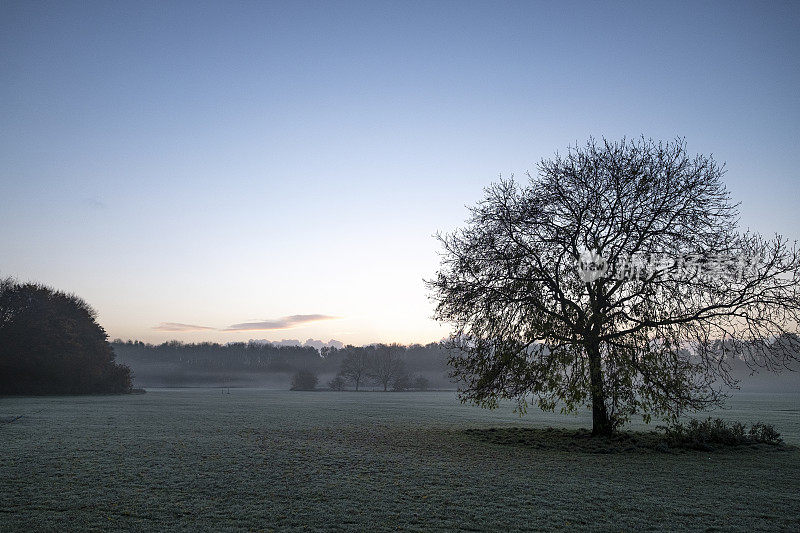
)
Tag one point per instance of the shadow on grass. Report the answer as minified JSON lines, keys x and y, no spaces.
{"x":582,"y":441}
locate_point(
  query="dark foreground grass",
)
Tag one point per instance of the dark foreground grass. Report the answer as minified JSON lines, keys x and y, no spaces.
{"x":363,"y":462}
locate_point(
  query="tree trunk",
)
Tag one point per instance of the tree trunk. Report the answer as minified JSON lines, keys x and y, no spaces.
{"x":601,"y":424}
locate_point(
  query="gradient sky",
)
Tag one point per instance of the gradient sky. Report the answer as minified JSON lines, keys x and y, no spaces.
{"x":279,"y":164}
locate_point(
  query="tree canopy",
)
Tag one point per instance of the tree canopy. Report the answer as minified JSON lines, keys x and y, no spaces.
{"x":51,"y":343}
{"x":617,"y":279}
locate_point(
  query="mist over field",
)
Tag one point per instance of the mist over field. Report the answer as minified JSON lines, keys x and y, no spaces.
{"x":271,"y":365}
{"x":263,"y":364}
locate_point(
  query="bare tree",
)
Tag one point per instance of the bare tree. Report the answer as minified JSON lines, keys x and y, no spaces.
{"x":355,"y":365}
{"x":386,"y":365}
{"x":616,"y":279}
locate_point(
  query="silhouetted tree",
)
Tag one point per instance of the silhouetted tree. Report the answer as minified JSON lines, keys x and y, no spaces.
{"x":304,"y":380}
{"x":51,"y":343}
{"x":355,"y":365}
{"x":654,"y":339}
{"x":385,"y":365}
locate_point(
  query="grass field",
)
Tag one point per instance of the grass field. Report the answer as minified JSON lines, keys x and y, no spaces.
{"x":261,"y":460}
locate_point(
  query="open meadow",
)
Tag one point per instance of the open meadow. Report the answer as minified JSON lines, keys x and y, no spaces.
{"x":262,"y":460}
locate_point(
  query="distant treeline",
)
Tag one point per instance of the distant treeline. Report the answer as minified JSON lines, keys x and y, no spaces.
{"x":176,"y":363}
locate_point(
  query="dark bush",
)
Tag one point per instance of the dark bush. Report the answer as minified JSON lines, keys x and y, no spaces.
{"x":420,"y":383}
{"x":338,"y":383}
{"x":705,"y":434}
{"x":401,"y":382}
{"x":766,"y":433}
{"x":304,"y":380}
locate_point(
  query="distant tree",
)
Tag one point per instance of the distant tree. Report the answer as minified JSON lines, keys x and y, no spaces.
{"x":386,"y":364}
{"x":529,"y":322}
{"x":51,"y":343}
{"x":355,"y":365}
{"x":420,"y":383}
{"x":304,"y":380}
{"x":338,"y":383}
{"x":402,"y":382}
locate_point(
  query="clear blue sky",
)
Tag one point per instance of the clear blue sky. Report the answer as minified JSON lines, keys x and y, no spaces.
{"x":226,"y":163}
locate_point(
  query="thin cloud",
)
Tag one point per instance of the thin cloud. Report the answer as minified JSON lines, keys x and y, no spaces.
{"x":94,"y":202}
{"x":177,"y":326}
{"x":286,"y":322}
